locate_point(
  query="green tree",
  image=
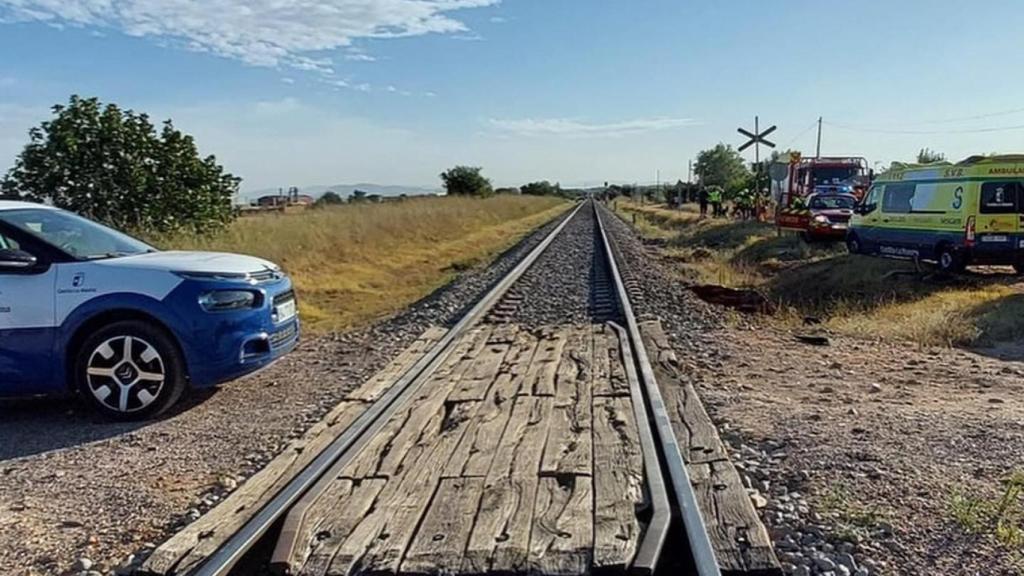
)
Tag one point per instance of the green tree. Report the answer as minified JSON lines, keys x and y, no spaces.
{"x":329,"y":199}
{"x":357,"y":196}
{"x":723,"y":166}
{"x":113,"y":166}
{"x":929,"y":156}
{"x":466,"y":181}
{"x":542,"y":188}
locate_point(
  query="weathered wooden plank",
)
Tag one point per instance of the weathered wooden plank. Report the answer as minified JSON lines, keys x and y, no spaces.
{"x":336,"y":513}
{"x":618,"y":483}
{"x":518,"y":454}
{"x":609,"y":373}
{"x":562,"y":537}
{"x":500,"y":538}
{"x":568,"y":449}
{"x":376,"y":386}
{"x":440,"y":543}
{"x":385,"y":452}
{"x":503,"y":334}
{"x":480,"y":374}
{"x":696,"y":433}
{"x":717,"y":487}
{"x":377,"y":543}
{"x":738,"y":536}
{"x":475,"y":452}
{"x":540,"y":380}
{"x":194,"y":543}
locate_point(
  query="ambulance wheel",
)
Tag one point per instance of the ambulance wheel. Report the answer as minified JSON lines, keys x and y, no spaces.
{"x":853,"y":244}
{"x":130,"y":370}
{"x":949,"y":260}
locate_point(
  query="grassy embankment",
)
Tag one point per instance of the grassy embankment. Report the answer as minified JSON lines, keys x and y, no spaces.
{"x":352,"y":264}
{"x":859,"y":295}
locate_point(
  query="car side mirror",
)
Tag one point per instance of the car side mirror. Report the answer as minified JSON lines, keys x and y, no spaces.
{"x":16,"y":260}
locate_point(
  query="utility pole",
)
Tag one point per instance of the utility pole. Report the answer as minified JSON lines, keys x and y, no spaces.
{"x":817,"y":153}
{"x":757,"y":157}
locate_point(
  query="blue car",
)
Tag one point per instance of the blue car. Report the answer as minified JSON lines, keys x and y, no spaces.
{"x":87,"y":309}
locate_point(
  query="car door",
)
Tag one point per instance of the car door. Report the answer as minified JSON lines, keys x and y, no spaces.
{"x":867,"y":225}
{"x":27,"y":321}
{"x":895,"y":228}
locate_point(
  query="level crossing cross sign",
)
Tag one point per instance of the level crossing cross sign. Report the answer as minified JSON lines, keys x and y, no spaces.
{"x":756,"y":137}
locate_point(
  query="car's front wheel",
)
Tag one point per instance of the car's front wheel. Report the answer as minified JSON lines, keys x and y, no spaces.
{"x":130,"y":370}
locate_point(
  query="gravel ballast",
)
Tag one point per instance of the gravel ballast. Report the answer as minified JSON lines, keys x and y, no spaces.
{"x":564,"y":284}
{"x":78,"y":491}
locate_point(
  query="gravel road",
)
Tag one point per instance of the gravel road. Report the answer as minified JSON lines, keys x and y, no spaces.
{"x":81,"y":494}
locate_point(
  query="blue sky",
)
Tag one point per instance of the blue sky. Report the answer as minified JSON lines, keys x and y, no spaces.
{"x":579,"y":91}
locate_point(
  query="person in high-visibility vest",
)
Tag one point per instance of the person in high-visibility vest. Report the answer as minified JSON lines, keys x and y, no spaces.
{"x":715,"y":197}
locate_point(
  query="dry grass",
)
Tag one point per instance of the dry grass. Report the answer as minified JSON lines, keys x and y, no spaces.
{"x":355,"y":263}
{"x":868,"y":297}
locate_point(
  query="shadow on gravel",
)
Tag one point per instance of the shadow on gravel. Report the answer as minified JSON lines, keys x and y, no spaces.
{"x":30,"y":426}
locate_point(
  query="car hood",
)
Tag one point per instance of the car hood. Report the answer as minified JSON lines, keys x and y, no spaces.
{"x":194,"y":262}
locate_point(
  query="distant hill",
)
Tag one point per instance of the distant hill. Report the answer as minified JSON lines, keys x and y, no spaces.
{"x":344,"y":190}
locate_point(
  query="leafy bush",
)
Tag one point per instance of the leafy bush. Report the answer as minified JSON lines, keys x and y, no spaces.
{"x":113,"y":166}
{"x":466,"y":181}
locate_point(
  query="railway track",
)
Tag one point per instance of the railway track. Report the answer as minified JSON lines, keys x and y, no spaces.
{"x":507,"y":444}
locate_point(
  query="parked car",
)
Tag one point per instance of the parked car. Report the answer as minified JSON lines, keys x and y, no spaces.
{"x":953,"y":214}
{"x":830,"y":214}
{"x":87,"y":309}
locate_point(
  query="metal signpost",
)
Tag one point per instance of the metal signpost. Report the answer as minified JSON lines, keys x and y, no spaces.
{"x":756,"y":139}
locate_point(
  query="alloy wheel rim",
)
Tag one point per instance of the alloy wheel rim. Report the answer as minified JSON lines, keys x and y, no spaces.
{"x":125,"y":373}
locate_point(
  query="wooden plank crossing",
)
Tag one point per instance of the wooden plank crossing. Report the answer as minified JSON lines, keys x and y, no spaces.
{"x":185,"y":550}
{"x":739,"y":538}
{"x":520,"y":455}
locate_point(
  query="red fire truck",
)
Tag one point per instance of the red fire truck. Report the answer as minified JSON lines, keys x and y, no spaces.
{"x":817,"y":196}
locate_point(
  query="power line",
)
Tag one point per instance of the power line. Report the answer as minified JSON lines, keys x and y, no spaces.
{"x":967,"y":118}
{"x":800,"y":135}
{"x":891,"y":131}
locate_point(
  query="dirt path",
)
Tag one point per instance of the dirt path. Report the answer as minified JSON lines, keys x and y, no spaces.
{"x":870,"y":448}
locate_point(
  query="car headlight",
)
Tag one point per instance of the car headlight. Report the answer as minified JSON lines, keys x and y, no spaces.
{"x":226,"y":300}
{"x":821,"y":219}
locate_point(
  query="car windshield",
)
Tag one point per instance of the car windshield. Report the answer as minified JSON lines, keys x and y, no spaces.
{"x":79,"y":237}
{"x":834,"y":175}
{"x":833,"y":202}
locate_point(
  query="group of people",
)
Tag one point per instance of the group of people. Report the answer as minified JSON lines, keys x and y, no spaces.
{"x":747,"y":204}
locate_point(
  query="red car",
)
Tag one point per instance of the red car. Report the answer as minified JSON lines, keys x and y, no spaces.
{"x":830,"y":214}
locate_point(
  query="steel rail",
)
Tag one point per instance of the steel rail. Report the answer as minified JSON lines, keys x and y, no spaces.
{"x":696,"y":531}
{"x":224,"y":558}
{"x":649,"y":552}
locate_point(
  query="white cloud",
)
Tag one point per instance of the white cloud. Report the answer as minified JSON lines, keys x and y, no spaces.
{"x":576,"y":129}
{"x":15,"y":122}
{"x":360,"y":57}
{"x":287,"y":80}
{"x":498,"y":19}
{"x":291,"y":33}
